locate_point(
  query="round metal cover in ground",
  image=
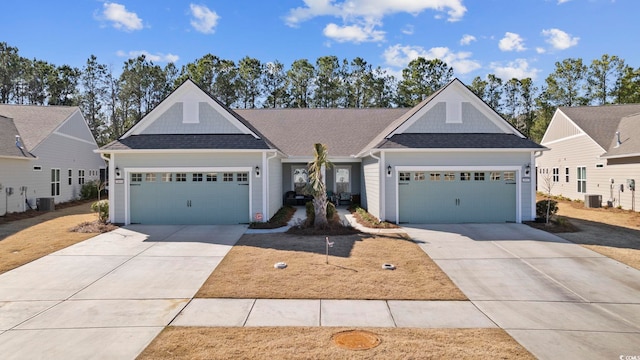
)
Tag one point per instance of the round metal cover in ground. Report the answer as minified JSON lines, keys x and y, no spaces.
{"x":280,"y":265}
{"x":356,"y":339}
{"x":388,"y":266}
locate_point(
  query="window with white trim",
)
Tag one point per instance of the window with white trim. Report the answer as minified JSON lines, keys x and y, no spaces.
{"x":556,"y":175}
{"x":136,"y":177}
{"x":465,"y":176}
{"x":582,"y":179}
{"x":80,"y":177}
{"x":228,"y":177}
{"x":197,"y":177}
{"x":55,"y":182}
{"x":419,"y":176}
{"x":478,"y":176}
{"x":509,"y":176}
{"x":212,"y":177}
{"x":566,"y":174}
{"x":494,"y":176}
{"x":70,"y":176}
{"x":434,"y":176}
{"x":150,"y":177}
{"x":449,"y":176}
{"x":404,"y":176}
{"x":181,"y":177}
{"x":167,"y":177}
{"x":242,"y":177}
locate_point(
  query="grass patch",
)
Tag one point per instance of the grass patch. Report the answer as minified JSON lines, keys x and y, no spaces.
{"x":32,"y":238}
{"x":279,"y":219}
{"x":315,"y":343}
{"x":354,"y":270}
{"x":367,"y":220}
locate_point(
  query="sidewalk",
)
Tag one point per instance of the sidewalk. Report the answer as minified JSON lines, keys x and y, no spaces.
{"x":357,"y":313}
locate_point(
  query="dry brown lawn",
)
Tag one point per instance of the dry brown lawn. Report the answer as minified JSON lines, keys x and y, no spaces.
{"x":354,"y":270}
{"x":315,"y":343}
{"x":22,"y":241}
{"x":611,"y":232}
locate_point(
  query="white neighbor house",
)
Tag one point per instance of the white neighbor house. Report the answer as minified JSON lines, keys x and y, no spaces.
{"x":450,"y":159}
{"x":45,"y":152}
{"x":594,"y":150}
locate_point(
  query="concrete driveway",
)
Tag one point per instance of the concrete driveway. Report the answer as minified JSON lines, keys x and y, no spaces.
{"x":109,"y":296}
{"x":556,"y":298}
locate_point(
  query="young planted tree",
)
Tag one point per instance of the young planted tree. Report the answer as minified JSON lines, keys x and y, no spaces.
{"x":317,"y":187}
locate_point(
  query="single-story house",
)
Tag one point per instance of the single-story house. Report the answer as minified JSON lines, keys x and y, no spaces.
{"x":594,"y":150}
{"x":45,"y":152}
{"x":450,"y":159}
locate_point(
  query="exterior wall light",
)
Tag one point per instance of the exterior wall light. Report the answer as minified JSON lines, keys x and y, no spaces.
{"x":257,"y":171}
{"x":118,"y":173}
{"x":388,"y":170}
{"x":527,"y":170}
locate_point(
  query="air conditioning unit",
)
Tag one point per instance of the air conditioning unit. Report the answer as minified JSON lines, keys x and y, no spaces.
{"x":593,"y":201}
{"x":45,"y":204}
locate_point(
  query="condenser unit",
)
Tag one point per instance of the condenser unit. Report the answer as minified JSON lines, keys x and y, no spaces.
{"x":593,"y":201}
{"x":45,"y":204}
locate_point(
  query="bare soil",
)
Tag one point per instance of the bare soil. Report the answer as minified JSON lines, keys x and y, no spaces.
{"x":27,"y":237}
{"x":354,"y":270}
{"x":611,"y":232}
{"x":315,"y":343}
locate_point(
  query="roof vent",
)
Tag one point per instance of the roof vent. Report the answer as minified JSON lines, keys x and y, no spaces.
{"x":618,"y":142}
{"x":19,"y":142}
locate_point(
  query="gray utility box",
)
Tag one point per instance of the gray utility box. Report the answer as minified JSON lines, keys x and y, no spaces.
{"x":45,"y":204}
{"x":593,"y":201}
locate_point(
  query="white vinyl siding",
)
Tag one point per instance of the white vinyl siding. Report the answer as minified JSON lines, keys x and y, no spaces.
{"x":371,"y":196}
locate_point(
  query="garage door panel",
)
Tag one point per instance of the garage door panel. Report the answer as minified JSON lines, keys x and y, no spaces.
{"x":456,"y":197}
{"x":189,"y":198}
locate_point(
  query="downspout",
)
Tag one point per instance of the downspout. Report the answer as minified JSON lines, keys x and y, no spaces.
{"x":110,"y":176}
{"x":534,"y":182}
{"x":265,"y":184}
{"x":381,"y":194}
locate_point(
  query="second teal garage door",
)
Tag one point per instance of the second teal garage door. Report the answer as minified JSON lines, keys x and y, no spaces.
{"x":189,"y":198}
{"x":457,"y":197}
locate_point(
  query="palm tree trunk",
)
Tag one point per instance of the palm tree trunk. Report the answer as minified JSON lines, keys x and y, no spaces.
{"x":320,"y":210}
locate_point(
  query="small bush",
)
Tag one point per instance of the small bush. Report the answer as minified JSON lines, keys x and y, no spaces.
{"x":89,"y":191}
{"x":364,"y":218}
{"x":102,"y":208}
{"x":541,"y":208}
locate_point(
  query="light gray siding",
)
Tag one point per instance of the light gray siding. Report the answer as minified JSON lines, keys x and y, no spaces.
{"x":516,"y":160}
{"x":16,"y":173}
{"x":559,"y":128}
{"x":583,"y":151}
{"x":371,"y":186}
{"x":126,"y":162}
{"x":435,"y":121}
{"x":209,"y":122}
{"x":76,"y":127}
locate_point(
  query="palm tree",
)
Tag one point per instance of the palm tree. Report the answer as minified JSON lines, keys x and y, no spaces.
{"x":317,"y":188}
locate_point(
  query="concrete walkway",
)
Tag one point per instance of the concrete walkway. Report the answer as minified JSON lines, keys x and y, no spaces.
{"x":556,"y":298}
{"x":109,"y":296}
{"x":356,"y":313}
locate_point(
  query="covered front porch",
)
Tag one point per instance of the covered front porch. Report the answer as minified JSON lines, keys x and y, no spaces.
{"x":342,"y":180}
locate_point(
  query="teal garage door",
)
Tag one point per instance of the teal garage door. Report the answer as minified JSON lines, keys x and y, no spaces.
{"x":189,"y":198}
{"x":457,"y":197}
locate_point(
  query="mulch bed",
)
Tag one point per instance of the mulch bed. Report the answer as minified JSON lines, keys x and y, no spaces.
{"x":14,"y":216}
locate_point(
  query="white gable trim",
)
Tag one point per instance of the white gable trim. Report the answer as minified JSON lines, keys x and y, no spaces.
{"x":453,"y":95}
{"x":567,"y":118}
{"x":188,"y":92}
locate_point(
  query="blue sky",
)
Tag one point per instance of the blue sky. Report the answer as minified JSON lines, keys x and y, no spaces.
{"x":509,"y":38}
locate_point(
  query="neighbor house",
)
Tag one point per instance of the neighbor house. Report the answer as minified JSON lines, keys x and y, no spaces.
{"x":594,"y":150}
{"x":192,"y":160}
{"x":45,"y":152}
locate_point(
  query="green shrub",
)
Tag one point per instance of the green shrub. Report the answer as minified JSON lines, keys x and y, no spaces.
{"x":102,"y":208}
{"x":89,"y":190}
{"x":279,"y":219}
{"x":541,"y":208}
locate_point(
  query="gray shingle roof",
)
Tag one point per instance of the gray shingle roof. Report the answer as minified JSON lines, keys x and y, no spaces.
{"x":345,"y":131}
{"x":458,"y":141}
{"x":600,"y":122}
{"x":188,"y":141}
{"x":8,"y":132}
{"x":35,"y":123}
{"x":629,"y":128}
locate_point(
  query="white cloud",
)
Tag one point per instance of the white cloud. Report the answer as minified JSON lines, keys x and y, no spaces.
{"x":353,"y":33}
{"x":204,"y":20}
{"x":399,"y":56}
{"x":541,"y":50}
{"x":367,"y":9}
{"x":408,"y":30}
{"x":467,"y":39}
{"x":156,"y":58}
{"x":559,"y":39}
{"x":563,"y":1}
{"x":518,"y":69}
{"x":120,"y":17}
{"x":511,"y":42}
